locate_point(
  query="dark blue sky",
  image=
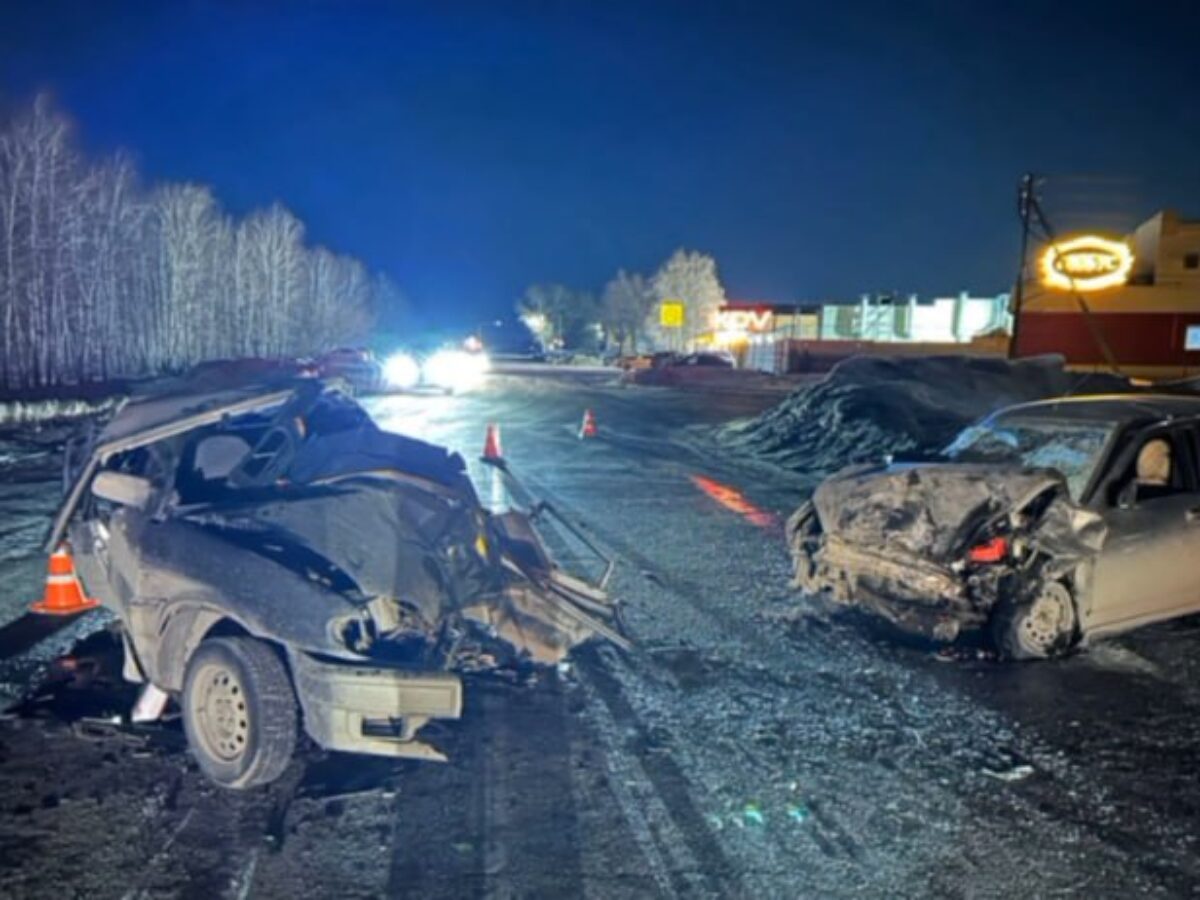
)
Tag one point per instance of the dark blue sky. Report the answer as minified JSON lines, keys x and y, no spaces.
{"x":817,"y":150}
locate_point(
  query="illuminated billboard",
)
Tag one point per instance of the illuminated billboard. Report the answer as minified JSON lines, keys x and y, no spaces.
{"x":1086,"y":263}
{"x":745,"y":321}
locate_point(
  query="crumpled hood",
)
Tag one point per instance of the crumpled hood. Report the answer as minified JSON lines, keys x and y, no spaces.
{"x":933,"y":510}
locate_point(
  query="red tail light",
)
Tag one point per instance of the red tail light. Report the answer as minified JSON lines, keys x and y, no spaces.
{"x":992,"y":551}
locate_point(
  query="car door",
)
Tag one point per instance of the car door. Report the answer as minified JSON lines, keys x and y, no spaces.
{"x":1149,"y":567}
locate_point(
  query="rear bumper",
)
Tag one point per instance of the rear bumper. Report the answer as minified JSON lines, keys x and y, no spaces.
{"x":362,"y":709}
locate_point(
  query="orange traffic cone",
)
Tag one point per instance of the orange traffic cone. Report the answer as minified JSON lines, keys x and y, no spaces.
{"x":588,"y":428}
{"x":491,"y":443}
{"x":64,"y":594}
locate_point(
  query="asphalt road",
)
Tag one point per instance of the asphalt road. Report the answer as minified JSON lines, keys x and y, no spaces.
{"x":743,"y":748}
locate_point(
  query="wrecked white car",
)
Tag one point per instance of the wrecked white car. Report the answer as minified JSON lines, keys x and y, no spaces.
{"x":277,"y":561}
{"x":1044,"y":525}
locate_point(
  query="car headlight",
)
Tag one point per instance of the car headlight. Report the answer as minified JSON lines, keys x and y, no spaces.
{"x":401,"y":371}
{"x":455,"y":369}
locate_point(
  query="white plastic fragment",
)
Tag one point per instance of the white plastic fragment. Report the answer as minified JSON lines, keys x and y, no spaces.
{"x":150,"y":704}
{"x":1016,"y":773}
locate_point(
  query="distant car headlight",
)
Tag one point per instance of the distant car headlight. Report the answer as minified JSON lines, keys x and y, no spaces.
{"x":401,"y":371}
{"x":455,"y":369}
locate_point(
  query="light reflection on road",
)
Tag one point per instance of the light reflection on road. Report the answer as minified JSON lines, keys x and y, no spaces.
{"x":733,"y":499}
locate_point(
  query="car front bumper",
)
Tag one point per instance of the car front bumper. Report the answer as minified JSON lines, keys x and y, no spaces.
{"x":913,"y":594}
{"x":366,"y":709}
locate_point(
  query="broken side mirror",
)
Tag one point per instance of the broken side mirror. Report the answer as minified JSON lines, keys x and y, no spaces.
{"x":123,"y":489}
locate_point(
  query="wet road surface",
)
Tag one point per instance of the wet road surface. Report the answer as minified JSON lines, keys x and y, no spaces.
{"x":740,"y":750}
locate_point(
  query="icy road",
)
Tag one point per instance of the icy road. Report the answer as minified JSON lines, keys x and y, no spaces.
{"x":737,"y":752}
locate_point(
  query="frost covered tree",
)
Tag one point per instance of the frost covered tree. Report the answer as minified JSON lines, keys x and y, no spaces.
{"x":100,"y":278}
{"x":39,"y":178}
{"x":188,"y":222}
{"x":691,"y":278}
{"x":625,"y":305}
{"x":560,"y":316}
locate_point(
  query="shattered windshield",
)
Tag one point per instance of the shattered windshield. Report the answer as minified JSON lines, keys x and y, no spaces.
{"x":1073,"y":448}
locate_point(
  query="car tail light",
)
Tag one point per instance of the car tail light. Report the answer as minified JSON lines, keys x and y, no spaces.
{"x":992,"y":551}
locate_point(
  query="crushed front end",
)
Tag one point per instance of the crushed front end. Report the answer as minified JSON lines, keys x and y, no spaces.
{"x":364,"y":557}
{"x":932,"y":549}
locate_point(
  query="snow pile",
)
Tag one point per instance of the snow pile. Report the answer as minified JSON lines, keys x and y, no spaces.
{"x":870,"y":406}
{"x":40,"y":412}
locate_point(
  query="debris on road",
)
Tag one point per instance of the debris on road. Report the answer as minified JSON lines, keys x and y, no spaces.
{"x":752,"y":814}
{"x":1016,"y":773}
{"x":799,"y":813}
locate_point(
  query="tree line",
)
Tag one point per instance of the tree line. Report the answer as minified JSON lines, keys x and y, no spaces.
{"x":627,"y":314}
{"x":101,"y":277}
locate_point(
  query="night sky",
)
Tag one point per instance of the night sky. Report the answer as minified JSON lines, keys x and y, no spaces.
{"x":817,"y":150}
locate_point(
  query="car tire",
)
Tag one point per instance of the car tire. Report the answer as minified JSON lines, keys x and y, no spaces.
{"x":239,"y":711}
{"x":1038,"y":625}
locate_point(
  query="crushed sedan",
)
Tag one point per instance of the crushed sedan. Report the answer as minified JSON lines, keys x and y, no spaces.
{"x":277,"y":562}
{"x":1042,"y":526}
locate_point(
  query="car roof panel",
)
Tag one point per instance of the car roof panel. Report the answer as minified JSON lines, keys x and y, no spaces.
{"x":143,"y":414}
{"x":1110,"y":408}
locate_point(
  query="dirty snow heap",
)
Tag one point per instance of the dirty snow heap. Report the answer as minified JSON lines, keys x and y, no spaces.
{"x":867,"y":407}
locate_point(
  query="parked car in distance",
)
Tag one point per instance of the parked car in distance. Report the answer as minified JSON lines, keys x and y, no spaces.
{"x":722,"y":359}
{"x":1044,"y":525}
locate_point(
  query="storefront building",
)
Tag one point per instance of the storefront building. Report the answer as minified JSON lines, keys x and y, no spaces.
{"x":942,"y":320}
{"x":756,"y":332}
{"x":782,"y":338}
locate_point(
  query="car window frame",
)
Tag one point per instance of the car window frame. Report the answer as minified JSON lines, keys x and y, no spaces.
{"x":1184,"y":436}
{"x":103,"y":452}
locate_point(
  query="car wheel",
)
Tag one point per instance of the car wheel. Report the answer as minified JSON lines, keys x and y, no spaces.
{"x":239,"y":711}
{"x":1036,"y":627}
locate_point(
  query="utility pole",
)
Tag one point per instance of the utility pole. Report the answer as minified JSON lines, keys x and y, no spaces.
{"x":1025,"y":201}
{"x":1029,"y":207}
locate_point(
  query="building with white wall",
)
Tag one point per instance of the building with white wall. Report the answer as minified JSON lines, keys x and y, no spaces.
{"x":941,"y":320}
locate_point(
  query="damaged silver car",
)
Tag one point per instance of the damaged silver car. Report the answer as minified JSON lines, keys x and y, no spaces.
{"x":1044,"y":525}
{"x":279,"y":562}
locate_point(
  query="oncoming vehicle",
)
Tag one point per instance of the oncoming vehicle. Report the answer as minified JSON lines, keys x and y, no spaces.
{"x":277,"y":561}
{"x":446,"y":369}
{"x":1046,"y":524}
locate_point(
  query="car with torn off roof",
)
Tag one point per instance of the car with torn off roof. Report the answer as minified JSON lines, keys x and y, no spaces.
{"x":277,"y":561}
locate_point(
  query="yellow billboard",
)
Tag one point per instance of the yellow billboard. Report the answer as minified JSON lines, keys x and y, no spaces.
{"x":670,"y":314}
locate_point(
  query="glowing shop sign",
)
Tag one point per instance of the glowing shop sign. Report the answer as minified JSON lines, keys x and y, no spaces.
{"x":741,"y":321}
{"x":1087,"y":263}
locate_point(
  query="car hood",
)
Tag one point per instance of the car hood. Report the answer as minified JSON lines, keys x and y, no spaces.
{"x":937,"y":510}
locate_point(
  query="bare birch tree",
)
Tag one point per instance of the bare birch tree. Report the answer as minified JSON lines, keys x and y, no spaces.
{"x":100,"y":279}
